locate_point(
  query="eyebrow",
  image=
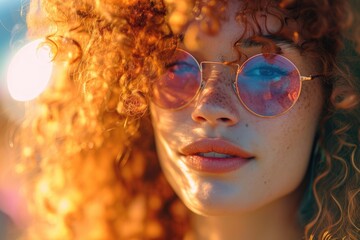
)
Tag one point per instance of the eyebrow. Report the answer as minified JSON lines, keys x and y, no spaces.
{"x":277,"y":39}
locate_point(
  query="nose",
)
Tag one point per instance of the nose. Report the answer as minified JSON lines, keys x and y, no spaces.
{"x":217,"y":103}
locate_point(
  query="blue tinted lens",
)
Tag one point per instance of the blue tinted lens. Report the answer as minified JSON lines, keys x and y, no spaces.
{"x":179,"y":83}
{"x":268,"y":85}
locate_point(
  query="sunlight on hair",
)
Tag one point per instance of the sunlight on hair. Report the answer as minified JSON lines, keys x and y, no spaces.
{"x":20,"y":168}
{"x":29,"y":71}
{"x":65,"y":206}
{"x":43,"y":187}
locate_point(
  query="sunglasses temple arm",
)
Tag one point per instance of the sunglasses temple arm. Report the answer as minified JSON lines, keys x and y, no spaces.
{"x":311,"y":77}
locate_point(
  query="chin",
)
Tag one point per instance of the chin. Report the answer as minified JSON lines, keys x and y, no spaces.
{"x":205,"y":210}
{"x":214,"y":206}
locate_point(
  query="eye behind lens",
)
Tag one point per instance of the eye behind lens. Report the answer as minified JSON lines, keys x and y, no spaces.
{"x":179,"y":83}
{"x":268,"y":86}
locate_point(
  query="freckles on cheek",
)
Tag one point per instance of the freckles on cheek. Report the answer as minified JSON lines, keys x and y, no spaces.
{"x":313,"y":95}
{"x":304,"y":102}
{"x":302,"y":120}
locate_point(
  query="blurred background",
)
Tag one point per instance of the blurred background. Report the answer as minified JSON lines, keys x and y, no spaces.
{"x":12,"y":36}
{"x":12,"y":33}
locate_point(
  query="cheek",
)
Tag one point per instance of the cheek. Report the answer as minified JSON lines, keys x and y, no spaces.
{"x":300,"y":123}
{"x":170,"y":125}
{"x":286,"y":146}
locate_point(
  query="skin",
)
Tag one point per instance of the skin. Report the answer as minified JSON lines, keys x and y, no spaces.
{"x":260,"y":199}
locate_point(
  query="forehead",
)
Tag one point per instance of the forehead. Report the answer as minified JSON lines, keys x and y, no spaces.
{"x":239,"y":25}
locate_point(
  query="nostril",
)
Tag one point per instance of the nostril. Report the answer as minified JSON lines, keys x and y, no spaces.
{"x":225,"y":120}
{"x":214,"y":114}
{"x":200,"y":119}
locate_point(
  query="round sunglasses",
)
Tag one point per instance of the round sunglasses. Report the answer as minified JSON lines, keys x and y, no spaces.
{"x":267,"y":85}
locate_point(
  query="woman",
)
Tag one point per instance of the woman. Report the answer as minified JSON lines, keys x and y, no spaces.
{"x":254,"y":112}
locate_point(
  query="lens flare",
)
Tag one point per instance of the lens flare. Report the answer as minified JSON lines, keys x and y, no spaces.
{"x":29,"y":71}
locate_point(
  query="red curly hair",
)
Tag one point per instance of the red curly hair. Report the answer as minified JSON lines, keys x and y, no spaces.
{"x":92,"y":173}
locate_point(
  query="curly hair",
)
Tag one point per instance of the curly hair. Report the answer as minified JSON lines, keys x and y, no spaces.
{"x":92,"y":173}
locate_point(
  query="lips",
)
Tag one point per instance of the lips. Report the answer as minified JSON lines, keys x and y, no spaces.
{"x":214,"y":156}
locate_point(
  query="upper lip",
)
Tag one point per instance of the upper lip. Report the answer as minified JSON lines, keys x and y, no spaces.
{"x":215,"y":145}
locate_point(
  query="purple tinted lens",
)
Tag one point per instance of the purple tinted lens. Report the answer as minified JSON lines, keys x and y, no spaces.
{"x":179,"y":83}
{"x":268,"y":85}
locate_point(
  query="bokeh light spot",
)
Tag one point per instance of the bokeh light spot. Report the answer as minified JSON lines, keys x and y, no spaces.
{"x":29,"y":71}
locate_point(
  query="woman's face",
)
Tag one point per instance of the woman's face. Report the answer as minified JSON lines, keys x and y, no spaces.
{"x":219,"y":157}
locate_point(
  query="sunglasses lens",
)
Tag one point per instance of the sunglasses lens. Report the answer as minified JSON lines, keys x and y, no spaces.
{"x":179,"y":83}
{"x":268,"y":85}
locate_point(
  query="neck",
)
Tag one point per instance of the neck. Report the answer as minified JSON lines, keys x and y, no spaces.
{"x":275,"y":221}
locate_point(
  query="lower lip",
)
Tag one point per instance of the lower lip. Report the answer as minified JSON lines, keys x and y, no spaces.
{"x":214,"y":165}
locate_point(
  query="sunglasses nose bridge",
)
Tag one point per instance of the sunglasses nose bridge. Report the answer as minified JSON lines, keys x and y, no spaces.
{"x":217,"y":77}
{"x":219,"y":74}
{"x":217,"y":71}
